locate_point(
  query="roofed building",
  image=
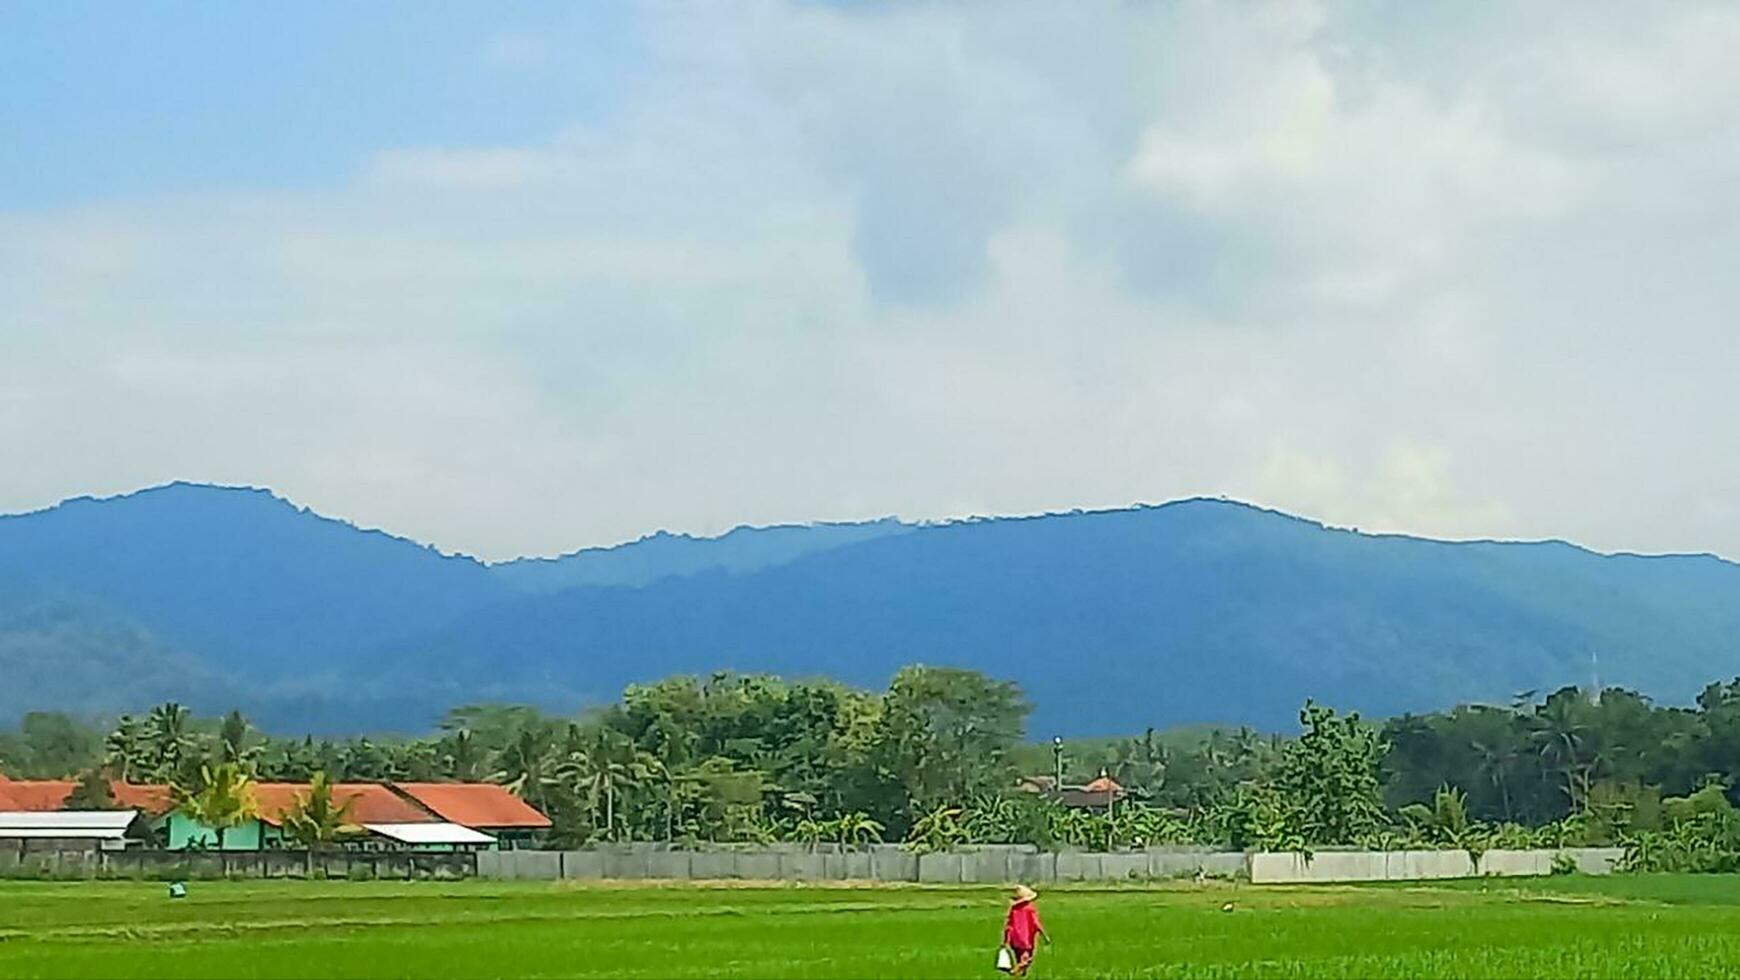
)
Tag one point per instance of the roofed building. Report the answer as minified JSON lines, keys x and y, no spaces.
{"x":441,"y":816}
{"x":1097,"y":794}
{"x":363,"y":803}
{"x":44,"y":795}
{"x":429,"y":836}
{"x":82,"y":828}
{"x":481,"y":806}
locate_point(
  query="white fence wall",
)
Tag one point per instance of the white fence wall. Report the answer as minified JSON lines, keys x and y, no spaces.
{"x":993,"y":865}
{"x":1331,"y":866}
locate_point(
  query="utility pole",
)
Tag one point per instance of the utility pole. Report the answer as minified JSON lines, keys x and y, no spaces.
{"x":1111,"y":797}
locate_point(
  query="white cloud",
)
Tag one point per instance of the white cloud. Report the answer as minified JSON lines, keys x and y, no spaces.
{"x":828,"y":262}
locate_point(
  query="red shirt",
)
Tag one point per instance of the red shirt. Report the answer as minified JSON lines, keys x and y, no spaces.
{"x":1023,"y":926}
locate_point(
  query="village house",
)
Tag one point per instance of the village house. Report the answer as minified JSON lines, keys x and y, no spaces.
{"x":409,"y":816}
{"x":1097,"y":794}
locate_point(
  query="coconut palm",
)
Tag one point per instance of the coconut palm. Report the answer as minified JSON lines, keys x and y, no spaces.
{"x":169,"y":743}
{"x":224,"y":800}
{"x":124,"y":749}
{"x":1559,"y":736}
{"x":232,"y":744}
{"x":463,"y":756}
{"x":1494,"y":760}
{"x":316,"y":820}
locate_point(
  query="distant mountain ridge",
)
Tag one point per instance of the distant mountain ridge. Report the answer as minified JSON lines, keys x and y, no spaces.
{"x":662,"y":555}
{"x":1194,"y":611}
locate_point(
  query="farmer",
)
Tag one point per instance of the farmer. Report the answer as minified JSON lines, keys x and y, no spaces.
{"x":1022,"y":929}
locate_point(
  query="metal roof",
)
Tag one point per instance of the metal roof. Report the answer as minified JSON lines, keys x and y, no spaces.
{"x":93,"y":824}
{"x":429,"y":833}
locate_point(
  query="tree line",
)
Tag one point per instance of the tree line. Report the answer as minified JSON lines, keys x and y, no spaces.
{"x":934,"y":760}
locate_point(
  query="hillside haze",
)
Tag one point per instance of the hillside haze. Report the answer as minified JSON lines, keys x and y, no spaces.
{"x":1195,"y":611}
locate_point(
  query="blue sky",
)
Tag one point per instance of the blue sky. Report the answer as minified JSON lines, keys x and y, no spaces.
{"x":122,"y":100}
{"x":517,"y":278}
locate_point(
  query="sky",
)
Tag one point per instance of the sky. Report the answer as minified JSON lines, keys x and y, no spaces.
{"x":517,"y":279}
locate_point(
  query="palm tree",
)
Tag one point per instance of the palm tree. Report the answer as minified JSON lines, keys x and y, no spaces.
{"x":124,"y":748}
{"x":1493,"y":762}
{"x":232,"y":740}
{"x":525,"y":763}
{"x":464,"y":757}
{"x":1559,"y":735}
{"x":316,"y":820}
{"x":168,"y":742}
{"x":224,"y":800}
{"x":598,"y":767}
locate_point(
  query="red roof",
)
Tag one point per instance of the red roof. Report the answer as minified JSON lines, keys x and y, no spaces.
{"x":43,"y":795}
{"x":148,"y":798}
{"x":369,"y":802}
{"x":1104,"y":784}
{"x":35,"y":795}
{"x":483,"y":806}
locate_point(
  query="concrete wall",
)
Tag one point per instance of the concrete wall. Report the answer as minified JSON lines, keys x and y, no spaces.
{"x":1330,"y":866}
{"x":1002,"y":865}
{"x":163,"y":865}
{"x":884,"y":862}
{"x":985,"y":864}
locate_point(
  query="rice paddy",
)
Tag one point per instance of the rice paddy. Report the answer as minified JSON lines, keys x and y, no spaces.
{"x":1623,"y":926}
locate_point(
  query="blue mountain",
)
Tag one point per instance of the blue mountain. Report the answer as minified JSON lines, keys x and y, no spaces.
{"x":662,"y":555}
{"x":1195,"y":611}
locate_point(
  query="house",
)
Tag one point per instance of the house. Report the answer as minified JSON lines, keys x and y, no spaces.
{"x":1098,"y":794}
{"x":366,"y":803}
{"x":43,"y":795}
{"x":486,"y":807}
{"x":146,"y":804}
{"x":419,"y":816}
{"x":106,"y":829}
{"x":427,"y":836}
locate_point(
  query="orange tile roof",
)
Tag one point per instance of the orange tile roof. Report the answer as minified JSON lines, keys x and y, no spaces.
{"x":369,"y":803}
{"x":145,"y":797}
{"x":36,"y":795}
{"x":1104,"y":784}
{"x":481,"y":806}
{"x":43,"y":795}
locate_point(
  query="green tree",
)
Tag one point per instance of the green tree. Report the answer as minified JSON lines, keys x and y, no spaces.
{"x":1560,"y":736}
{"x":54,"y":746}
{"x":315,"y":820}
{"x":224,"y":799}
{"x":92,"y":792}
{"x":124,"y":749}
{"x":233,"y":741}
{"x":1328,"y":778}
{"x":945,"y":735}
{"x":170,"y":746}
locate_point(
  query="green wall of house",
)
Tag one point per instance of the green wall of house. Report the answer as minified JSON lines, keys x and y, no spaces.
{"x":249,"y":835}
{"x":254,"y":835}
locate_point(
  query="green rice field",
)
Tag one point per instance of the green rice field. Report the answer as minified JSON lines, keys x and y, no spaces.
{"x":1624,"y":926}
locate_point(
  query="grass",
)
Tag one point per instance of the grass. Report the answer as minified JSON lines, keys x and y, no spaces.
{"x":1625,"y":926}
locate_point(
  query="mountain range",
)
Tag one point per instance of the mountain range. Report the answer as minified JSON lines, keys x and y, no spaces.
{"x":1195,"y":611}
